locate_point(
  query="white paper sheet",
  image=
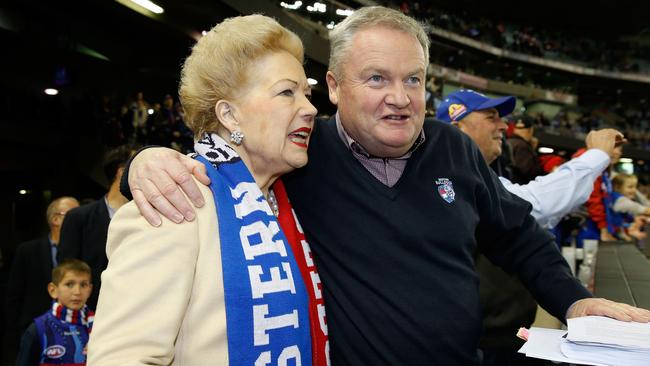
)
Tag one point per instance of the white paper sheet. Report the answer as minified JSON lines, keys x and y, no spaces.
{"x":600,"y":329}
{"x":545,"y":344}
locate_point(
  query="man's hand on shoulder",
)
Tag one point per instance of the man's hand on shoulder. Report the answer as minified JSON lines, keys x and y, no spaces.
{"x":157,"y":178}
{"x":604,"y":307}
{"x":606,"y":140}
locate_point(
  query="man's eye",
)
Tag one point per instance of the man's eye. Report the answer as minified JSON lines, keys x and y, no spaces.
{"x":413,"y":80}
{"x":376,"y":78}
{"x":287,"y":93}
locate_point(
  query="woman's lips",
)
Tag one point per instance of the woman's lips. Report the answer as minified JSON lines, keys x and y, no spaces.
{"x":299,"y":136}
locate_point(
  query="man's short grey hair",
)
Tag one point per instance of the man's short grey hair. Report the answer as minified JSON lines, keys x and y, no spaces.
{"x":366,"y":17}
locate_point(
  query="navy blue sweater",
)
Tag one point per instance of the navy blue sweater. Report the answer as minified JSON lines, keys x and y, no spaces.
{"x":397,"y":263}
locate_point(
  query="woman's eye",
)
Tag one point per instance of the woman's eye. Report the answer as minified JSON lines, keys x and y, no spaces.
{"x":287,"y":93}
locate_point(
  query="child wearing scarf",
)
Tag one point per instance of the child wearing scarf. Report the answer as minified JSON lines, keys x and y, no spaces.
{"x":60,"y":335}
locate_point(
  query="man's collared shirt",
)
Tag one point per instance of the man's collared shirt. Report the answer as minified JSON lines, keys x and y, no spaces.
{"x":53,"y":251}
{"x":386,"y":170}
{"x":111,"y":210}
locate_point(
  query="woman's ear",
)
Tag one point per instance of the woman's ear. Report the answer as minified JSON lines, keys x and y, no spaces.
{"x":226,"y":115}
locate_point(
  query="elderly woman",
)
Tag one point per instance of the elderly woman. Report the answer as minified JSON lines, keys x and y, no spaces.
{"x":230,"y":286}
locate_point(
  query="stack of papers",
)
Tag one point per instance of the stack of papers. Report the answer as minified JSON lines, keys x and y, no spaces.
{"x":592,"y":340}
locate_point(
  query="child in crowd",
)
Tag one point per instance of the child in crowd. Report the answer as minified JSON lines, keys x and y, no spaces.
{"x":625,"y":208}
{"x":60,"y":336}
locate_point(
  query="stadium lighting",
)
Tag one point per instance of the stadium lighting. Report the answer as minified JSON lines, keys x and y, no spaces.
{"x":344,"y":13}
{"x":545,"y":150}
{"x":311,"y":81}
{"x":150,"y":111}
{"x":317,"y":7}
{"x":203,"y":33}
{"x":22,"y":191}
{"x":154,"y":8}
{"x":51,"y":91}
{"x":330,"y":25}
{"x":624,"y":160}
{"x":295,"y":6}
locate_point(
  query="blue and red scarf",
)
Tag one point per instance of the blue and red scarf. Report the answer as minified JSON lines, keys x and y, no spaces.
{"x":268,"y":307}
{"x":63,"y":334}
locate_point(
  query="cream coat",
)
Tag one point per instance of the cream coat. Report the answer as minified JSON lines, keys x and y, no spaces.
{"x":161,"y":301}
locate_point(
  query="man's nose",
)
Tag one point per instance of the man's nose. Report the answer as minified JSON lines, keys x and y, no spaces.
{"x":398,"y":96}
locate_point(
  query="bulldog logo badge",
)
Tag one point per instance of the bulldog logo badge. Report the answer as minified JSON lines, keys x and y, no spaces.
{"x":446,"y":189}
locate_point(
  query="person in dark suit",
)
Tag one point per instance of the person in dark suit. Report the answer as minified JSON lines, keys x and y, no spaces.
{"x":84,"y":234}
{"x":31,"y":271}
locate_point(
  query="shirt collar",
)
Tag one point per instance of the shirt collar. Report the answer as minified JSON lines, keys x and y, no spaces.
{"x":111,"y":210}
{"x":356,"y":147}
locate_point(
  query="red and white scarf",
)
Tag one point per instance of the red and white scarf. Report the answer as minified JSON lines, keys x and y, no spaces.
{"x":296,"y":237}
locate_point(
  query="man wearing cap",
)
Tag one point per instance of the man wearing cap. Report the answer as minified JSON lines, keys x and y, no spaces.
{"x":525,"y":166}
{"x":394,"y":209}
{"x":507,"y":304}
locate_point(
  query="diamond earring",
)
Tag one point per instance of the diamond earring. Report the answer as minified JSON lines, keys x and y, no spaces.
{"x":236,"y":137}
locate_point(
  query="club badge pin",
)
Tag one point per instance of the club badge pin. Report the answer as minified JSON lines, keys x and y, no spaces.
{"x":446,"y":189}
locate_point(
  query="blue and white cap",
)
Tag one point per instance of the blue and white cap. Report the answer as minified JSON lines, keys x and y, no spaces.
{"x":460,"y":103}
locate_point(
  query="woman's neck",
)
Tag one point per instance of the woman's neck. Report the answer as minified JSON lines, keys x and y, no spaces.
{"x":262,"y":176}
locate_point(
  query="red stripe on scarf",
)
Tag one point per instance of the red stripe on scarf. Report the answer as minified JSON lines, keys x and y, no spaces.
{"x":302,"y":253}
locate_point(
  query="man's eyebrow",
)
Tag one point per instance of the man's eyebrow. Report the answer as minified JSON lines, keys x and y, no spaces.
{"x":419,"y":70}
{"x":374,"y":69}
{"x":382,"y":70}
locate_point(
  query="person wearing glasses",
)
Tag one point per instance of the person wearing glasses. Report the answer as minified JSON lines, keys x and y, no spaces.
{"x":31,"y":271}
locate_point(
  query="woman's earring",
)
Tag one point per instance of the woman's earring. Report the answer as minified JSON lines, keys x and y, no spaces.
{"x":236,"y":137}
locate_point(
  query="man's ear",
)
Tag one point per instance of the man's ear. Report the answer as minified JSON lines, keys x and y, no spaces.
{"x":57,"y":220}
{"x":225,"y":111}
{"x":332,"y":87}
{"x":52,"y":290}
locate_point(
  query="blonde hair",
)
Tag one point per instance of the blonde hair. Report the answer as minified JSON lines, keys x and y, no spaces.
{"x":621,"y":178}
{"x":366,"y":17}
{"x":69,"y":265}
{"x":218,"y":66}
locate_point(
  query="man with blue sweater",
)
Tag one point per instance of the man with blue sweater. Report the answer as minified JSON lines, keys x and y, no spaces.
{"x":394,"y":209}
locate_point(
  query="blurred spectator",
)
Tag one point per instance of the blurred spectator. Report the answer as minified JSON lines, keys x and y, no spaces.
{"x":182,"y":138}
{"x":126,"y":123}
{"x":625,"y":208}
{"x":159,"y":127}
{"x":83,"y":236}
{"x":550,"y":162}
{"x":139,"y":114}
{"x":525,"y":166}
{"x":112,"y":133}
{"x":599,"y":205}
